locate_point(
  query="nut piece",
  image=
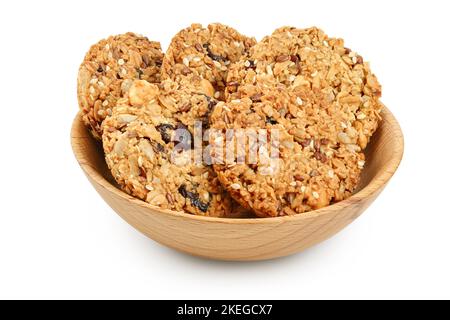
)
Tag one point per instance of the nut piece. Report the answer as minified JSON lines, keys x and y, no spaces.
{"x":141,"y":92}
{"x":207,"y":88}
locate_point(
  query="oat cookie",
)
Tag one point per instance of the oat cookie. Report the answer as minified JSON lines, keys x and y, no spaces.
{"x":322,"y":100}
{"x":108,"y":69}
{"x":308,"y":58}
{"x":151,"y":160}
{"x":318,"y":161}
{"x":207,"y":52}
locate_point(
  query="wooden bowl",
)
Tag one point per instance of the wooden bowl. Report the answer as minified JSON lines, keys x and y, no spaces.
{"x":243,"y":239}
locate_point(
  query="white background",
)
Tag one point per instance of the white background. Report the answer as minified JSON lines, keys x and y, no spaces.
{"x":58,"y":239}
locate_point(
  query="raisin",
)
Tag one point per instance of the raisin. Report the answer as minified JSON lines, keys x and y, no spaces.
{"x":271,"y":120}
{"x":251,"y":65}
{"x":163,"y":130}
{"x":100,"y":69}
{"x":213,"y":56}
{"x":194,"y":198}
{"x":157,"y":147}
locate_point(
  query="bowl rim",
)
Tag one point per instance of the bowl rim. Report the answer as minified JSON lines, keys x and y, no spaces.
{"x":377,"y":183}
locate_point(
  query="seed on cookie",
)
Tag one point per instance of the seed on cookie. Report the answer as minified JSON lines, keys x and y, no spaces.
{"x":107,"y":71}
{"x":206,"y":52}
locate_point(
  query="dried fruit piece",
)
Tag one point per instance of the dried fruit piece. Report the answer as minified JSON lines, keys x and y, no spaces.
{"x":163,"y":130}
{"x":194,"y":198}
{"x":213,"y":56}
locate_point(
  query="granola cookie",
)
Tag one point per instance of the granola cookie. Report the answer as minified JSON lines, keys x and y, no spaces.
{"x":107,"y":70}
{"x":319,"y":104}
{"x":308,"y":58}
{"x":149,"y":148}
{"x":308,"y":158}
{"x":207,"y":52}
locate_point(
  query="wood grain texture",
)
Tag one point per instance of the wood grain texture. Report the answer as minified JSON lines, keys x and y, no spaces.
{"x":243,"y":239}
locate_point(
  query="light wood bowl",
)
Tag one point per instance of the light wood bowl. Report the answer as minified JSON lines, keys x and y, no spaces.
{"x":243,"y":239}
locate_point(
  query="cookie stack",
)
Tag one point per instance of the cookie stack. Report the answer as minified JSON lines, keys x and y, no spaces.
{"x":316,"y":101}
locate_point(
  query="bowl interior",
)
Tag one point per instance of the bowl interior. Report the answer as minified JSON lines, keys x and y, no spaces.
{"x":383,"y":156}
